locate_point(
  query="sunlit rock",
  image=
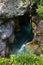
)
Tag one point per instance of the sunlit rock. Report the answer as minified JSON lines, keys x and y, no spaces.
{"x":34,"y":47}
{"x":38,"y":32}
{"x":10,"y":8}
{"x":34,"y":26}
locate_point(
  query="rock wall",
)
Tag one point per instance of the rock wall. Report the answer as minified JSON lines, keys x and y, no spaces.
{"x":8,"y":10}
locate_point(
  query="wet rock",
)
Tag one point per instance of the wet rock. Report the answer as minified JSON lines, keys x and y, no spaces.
{"x":9,"y":8}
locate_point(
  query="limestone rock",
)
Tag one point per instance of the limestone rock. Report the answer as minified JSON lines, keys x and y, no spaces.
{"x":10,"y":8}
{"x":3,"y":49}
{"x":6,"y":37}
{"x":39,"y":32}
{"x":6,"y":30}
{"x":34,"y":47}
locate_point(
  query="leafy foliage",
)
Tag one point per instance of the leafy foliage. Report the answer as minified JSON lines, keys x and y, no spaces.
{"x":23,"y":59}
{"x":40,"y":11}
{"x":41,"y":2}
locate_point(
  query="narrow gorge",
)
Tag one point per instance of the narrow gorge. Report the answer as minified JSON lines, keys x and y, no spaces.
{"x":18,"y":27}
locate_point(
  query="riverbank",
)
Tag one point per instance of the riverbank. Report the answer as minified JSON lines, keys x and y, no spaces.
{"x":36,"y":45}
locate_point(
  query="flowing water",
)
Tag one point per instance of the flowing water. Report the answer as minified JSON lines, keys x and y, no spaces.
{"x":22,"y":37}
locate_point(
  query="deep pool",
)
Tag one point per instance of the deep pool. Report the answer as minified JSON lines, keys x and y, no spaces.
{"x":22,"y":37}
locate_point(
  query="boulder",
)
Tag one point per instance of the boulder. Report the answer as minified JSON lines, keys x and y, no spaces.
{"x":10,"y":8}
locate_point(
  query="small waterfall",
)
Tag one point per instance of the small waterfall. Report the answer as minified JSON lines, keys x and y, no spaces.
{"x":21,"y":49}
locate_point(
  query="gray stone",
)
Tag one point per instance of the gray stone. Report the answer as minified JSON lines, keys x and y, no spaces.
{"x":6,"y":37}
{"x":2,"y":45}
{"x":10,"y":8}
{"x":4,"y":49}
{"x":6,"y":30}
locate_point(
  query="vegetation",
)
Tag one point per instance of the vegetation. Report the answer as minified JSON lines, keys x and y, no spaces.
{"x":23,"y":59}
{"x":40,"y":9}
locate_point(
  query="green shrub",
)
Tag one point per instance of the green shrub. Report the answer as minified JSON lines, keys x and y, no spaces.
{"x":40,"y":11}
{"x":40,"y":8}
{"x":41,"y":2}
{"x":23,"y":59}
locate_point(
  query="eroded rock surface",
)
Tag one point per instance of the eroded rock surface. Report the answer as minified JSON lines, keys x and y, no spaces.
{"x":34,"y":47}
{"x":6,"y":37}
{"x":38,"y":32}
{"x":37,"y":27}
{"x":10,"y":8}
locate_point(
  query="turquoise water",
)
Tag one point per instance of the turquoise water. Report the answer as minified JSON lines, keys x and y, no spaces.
{"x":22,"y":37}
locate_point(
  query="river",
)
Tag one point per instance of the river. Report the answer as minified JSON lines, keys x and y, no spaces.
{"x":22,"y":37}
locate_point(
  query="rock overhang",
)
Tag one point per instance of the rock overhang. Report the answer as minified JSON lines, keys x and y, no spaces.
{"x":9,"y":8}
